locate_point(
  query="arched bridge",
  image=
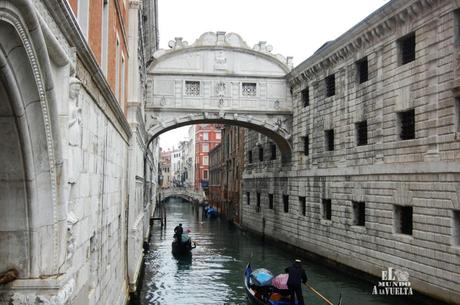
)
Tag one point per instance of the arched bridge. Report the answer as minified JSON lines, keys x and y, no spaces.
{"x":184,"y":193}
{"x":219,"y":79}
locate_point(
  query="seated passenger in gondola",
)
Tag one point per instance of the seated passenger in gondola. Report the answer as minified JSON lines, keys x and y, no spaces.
{"x":178,"y":231}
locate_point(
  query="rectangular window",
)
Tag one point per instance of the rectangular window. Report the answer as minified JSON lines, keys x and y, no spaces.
{"x":403,"y":219}
{"x":218,"y":135}
{"x":248,"y":198}
{"x":303,"y":205}
{"x":123,"y":73}
{"x":105,"y":36}
{"x":330,"y":85}
{"x":192,"y":88}
{"x":329,"y":135}
{"x":286,"y":203}
{"x":83,"y":16}
{"x":327,"y":209}
{"x":205,"y":136}
{"x":305,"y":93}
{"x":250,"y":156}
{"x":272,"y":151}
{"x":205,"y":160}
{"x":306,"y":145}
{"x":270,"y":201}
{"x":261,"y":153}
{"x":258,"y":202}
{"x":117,"y":70}
{"x":362,"y":69}
{"x":456,"y":228}
{"x":457,"y":25}
{"x":457,"y":111}
{"x":406,"y":47}
{"x":359,"y":213}
{"x":407,"y":124}
{"x":205,"y":147}
{"x":205,"y":174}
{"x":249,"y":89}
{"x":361,"y":133}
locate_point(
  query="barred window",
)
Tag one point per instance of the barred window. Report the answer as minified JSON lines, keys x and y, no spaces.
{"x":330,"y":85}
{"x":407,"y":124}
{"x":406,"y":48}
{"x":270,"y":201}
{"x":327,"y":209}
{"x":286,"y":203}
{"x":273,"y":151}
{"x":192,"y":88}
{"x":456,"y":228}
{"x":258,"y":202}
{"x":306,"y":145}
{"x":305,"y":97}
{"x":250,"y":156}
{"x":362,"y":67}
{"x":329,"y":135}
{"x":403,"y":219}
{"x":303,"y":205}
{"x":359,"y":213}
{"x":248,"y":198}
{"x":361,"y":133}
{"x":261,"y":153}
{"x":249,"y":89}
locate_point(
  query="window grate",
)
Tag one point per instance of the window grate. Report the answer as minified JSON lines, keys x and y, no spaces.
{"x":407,"y":48}
{"x":270,"y":201}
{"x":329,"y":139}
{"x":327,"y":209}
{"x":362,"y":67}
{"x":248,"y":198}
{"x":192,"y":88}
{"x":261,"y":153}
{"x":407,"y":124}
{"x":456,"y":228}
{"x":361,"y":133}
{"x":305,"y":93}
{"x":249,"y":89}
{"x":258,"y":203}
{"x":303,"y":205}
{"x":273,"y":151}
{"x":286,"y":203}
{"x":359,"y":213}
{"x":403,"y":219}
{"x":306,"y":145}
{"x":330,"y":85}
{"x":250,"y":156}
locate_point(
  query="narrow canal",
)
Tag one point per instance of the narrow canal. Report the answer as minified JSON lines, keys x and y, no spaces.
{"x":213,"y":275}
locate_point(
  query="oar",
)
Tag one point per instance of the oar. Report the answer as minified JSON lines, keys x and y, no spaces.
{"x":319,"y":294}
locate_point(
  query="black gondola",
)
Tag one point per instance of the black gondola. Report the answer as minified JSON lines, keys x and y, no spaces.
{"x":263,"y":295}
{"x":180,"y":248}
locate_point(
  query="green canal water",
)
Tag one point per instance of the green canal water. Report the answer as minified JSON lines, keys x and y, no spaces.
{"x":214,"y":273}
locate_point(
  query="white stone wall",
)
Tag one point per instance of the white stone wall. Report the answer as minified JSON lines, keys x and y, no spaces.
{"x":423,"y":173}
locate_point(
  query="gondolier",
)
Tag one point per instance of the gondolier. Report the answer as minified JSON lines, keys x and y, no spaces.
{"x":297,"y":276}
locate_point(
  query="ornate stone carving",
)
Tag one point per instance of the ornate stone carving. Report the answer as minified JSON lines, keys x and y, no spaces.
{"x":220,"y":61}
{"x":75,"y":130}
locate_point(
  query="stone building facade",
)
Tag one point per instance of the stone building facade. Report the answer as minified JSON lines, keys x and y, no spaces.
{"x":78,"y":180}
{"x":226,"y":165}
{"x":374,"y":177}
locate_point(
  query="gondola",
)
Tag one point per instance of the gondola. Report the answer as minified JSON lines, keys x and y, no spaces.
{"x":263,"y":295}
{"x":181,"y":248}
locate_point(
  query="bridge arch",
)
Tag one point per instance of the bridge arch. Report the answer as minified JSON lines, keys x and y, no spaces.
{"x":220,"y":79}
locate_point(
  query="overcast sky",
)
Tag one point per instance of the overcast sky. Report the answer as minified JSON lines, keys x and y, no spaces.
{"x":293,"y":27}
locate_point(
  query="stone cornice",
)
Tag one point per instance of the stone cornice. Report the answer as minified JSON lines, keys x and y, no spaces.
{"x":62,"y":13}
{"x":372,"y":29}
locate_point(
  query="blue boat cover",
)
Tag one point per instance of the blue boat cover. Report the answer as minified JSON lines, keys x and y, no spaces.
{"x":262,"y":277}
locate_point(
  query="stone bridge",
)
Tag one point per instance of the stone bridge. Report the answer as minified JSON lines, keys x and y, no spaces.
{"x":184,"y":193}
{"x":219,"y":79}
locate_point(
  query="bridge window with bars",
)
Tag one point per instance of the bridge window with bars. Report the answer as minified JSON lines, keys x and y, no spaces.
{"x":286,"y":203}
{"x":272,"y":151}
{"x":306,"y":145}
{"x":329,"y":135}
{"x":270,"y":201}
{"x":403,"y":219}
{"x":258,"y":203}
{"x":456,"y":228}
{"x":303,"y":205}
{"x":192,"y":88}
{"x":249,"y":89}
{"x":407,"y":124}
{"x":327,"y":209}
{"x":359,"y":213}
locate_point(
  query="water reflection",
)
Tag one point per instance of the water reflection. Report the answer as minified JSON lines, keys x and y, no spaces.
{"x":213,"y":274}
